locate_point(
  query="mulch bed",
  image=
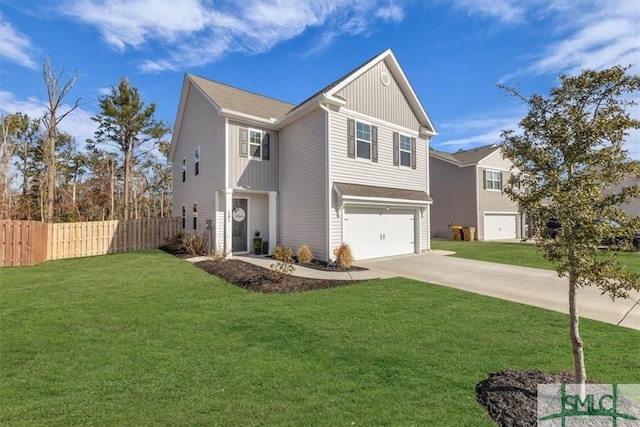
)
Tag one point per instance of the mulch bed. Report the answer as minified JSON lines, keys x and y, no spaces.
{"x":256,"y":278}
{"x":510,"y":396}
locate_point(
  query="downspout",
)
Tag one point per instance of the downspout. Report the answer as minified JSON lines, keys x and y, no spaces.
{"x":478,"y":205}
{"x":327,"y":188}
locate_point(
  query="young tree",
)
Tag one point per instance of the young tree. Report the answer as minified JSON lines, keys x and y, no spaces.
{"x":127,"y":124}
{"x":572,"y":162}
{"x":10,"y":128}
{"x":56,"y":93}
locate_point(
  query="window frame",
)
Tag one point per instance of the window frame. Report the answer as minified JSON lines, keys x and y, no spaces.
{"x":408,"y":139}
{"x":196,"y":161}
{"x":491,"y":172}
{"x":195,"y":216}
{"x":184,"y":170}
{"x":358,"y":140}
{"x":250,"y":143}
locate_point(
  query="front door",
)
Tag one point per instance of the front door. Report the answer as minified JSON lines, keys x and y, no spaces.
{"x":240,"y":218}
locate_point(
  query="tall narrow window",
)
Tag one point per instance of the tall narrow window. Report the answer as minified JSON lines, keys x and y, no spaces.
{"x":197,"y":161}
{"x":184,"y":170}
{"x":184,"y":217}
{"x":195,"y":216}
{"x":405,"y":150}
{"x":255,"y":139}
{"x":363,"y":140}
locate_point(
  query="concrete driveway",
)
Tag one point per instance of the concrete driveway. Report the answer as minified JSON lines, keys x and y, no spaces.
{"x":531,"y":286}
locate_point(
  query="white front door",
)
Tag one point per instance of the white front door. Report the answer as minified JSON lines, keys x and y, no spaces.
{"x":500,"y":226}
{"x":375,"y":232}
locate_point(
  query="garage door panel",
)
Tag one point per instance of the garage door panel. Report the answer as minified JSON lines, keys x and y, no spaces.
{"x":500,"y":226}
{"x":374,"y":233}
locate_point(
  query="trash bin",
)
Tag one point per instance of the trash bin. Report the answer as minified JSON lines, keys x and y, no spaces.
{"x":469,"y":233}
{"x":456,"y":232}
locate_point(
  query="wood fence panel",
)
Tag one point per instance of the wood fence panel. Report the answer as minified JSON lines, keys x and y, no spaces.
{"x":29,"y":242}
{"x":22,"y":243}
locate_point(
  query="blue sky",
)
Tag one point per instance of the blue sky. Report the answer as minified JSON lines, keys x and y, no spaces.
{"x":453,"y":52}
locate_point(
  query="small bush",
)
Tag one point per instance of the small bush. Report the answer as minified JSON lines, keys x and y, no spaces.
{"x":344,"y":257}
{"x":305,"y":256}
{"x":195,"y":243}
{"x":283,"y":267}
{"x":217,"y":255}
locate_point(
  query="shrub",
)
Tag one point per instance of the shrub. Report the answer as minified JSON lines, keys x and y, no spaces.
{"x":305,"y":256}
{"x":217,"y":255}
{"x":195,"y":243}
{"x":344,"y":257}
{"x":283,"y":266}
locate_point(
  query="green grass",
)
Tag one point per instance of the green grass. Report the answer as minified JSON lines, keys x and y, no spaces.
{"x":144,"y":338}
{"x":525,"y":255}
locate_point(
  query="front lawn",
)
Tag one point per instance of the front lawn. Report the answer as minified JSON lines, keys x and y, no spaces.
{"x":522,"y":254}
{"x":144,"y":338}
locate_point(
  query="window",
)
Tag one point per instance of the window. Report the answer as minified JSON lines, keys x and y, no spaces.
{"x":184,"y":170}
{"x":195,"y":216}
{"x":493,"y":180}
{"x":255,"y":138}
{"x":184,"y":217}
{"x":197,"y":161}
{"x":405,"y":150}
{"x":363,"y":140}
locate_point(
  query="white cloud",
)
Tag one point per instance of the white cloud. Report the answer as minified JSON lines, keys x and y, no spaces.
{"x":392,"y":13}
{"x":78,"y":123}
{"x":476,"y":131}
{"x":508,"y":11}
{"x":15,"y":46}
{"x":196,"y":32}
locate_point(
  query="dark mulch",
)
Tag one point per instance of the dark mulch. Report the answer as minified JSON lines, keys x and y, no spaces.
{"x":510,"y":396}
{"x":255,"y":278}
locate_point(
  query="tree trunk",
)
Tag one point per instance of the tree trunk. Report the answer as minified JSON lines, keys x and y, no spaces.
{"x":576,"y":341}
{"x":111,"y":189}
{"x":128,"y":159}
{"x":51,"y":170}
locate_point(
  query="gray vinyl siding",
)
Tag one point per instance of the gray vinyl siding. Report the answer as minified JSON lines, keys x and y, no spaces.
{"x":492,"y":200}
{"x":248,"y":173}
{"x":496,"y":161}
{"x":425,"y":232}
{"x":369,"y":96}
{"x":360,"y":171}
{"x":453,"y":190}
{"x":258,"y":215}
{"x":301,"y":202}
{"x":201,"y":126}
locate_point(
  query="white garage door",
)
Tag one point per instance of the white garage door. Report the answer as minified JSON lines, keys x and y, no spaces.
{"x":374,"y":233}
{"x":499,"y":226}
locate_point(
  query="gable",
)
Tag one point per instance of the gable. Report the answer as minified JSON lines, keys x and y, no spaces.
{"x":376,"y":93}
{"x":496,"y":161}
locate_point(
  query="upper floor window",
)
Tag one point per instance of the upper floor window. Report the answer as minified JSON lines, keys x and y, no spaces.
{"x":197,"y":161}
{"x":255,"y":144}
{"x":363,"y":140}
{"x":184,"y":170}
{"x":492,"y":180}
{"x":405,"y":150}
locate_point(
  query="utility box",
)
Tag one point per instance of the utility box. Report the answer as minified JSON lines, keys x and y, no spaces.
{"x":469,"y":233}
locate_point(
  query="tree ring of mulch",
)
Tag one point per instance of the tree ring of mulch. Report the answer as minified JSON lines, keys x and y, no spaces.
{"x":510,"y":397}
{"x":255,"y":278}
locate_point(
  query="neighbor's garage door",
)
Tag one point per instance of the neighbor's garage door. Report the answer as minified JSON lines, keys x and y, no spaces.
{"x":499,"y":226}
{"x":374,"y":233}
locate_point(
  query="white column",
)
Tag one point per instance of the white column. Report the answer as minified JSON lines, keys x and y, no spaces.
{"x":228,"y":208}
{"x":273,"y":221}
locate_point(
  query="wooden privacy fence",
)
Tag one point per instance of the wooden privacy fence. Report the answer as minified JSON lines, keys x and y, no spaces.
{"x":29,"y":242}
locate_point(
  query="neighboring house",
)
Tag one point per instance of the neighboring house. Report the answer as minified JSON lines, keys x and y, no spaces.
{"x":633,"y":207}
{"x":467,"y":190}
{"x":349,"y":164}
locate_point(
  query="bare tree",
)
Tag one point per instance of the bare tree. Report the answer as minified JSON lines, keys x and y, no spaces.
{"x":56,"y":92}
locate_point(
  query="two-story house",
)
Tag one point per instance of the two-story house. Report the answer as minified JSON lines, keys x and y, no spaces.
{"x":467,"y":189}
{"x":349,"y":164}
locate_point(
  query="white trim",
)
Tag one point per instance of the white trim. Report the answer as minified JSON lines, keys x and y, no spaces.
{"x":226,"y":152}
{"x":328,"y":181}
{"x":377,"y":122}
{"x":273,"y":223}
{"x":247,"y":117}
{"x":478,"y":200}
